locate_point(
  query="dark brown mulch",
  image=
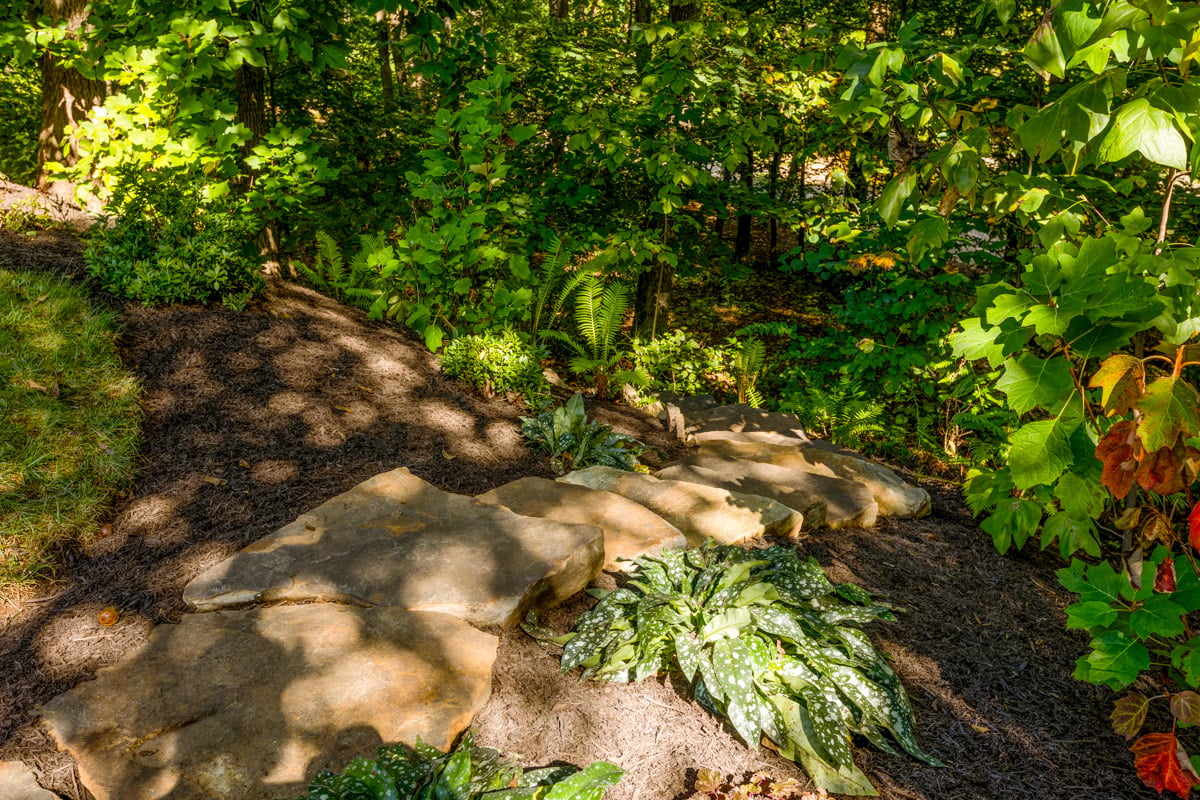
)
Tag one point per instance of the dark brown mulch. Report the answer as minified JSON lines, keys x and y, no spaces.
{"x":252,"y":418}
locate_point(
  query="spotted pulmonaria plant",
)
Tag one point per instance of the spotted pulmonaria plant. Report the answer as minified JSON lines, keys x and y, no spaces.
{"x":767,"y":641}
{"x":465,"y":773}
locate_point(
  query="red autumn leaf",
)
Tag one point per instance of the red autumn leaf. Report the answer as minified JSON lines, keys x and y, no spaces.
{"x":1156,"y":756}
{"x":1194,"y":526}
{"x":1164,"y":576}
{"x":1116,"y":452}
{"x":1122,"y":379}
{"x":1161,"y":472}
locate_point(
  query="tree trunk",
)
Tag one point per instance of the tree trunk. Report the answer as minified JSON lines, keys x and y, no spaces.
{"x":252,"y":112}
{"x":881,"y":18}
{"x":560,"y":9}
{"x":683,"y":10}
{"x":383,"y":26}
{"x":652,"y":302}
{"x":773,"y":193}
{"x":745,"y":220}
{"x":67,"y":97}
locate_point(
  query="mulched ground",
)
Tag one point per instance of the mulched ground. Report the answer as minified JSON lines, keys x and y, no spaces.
{"x":252,"y":418}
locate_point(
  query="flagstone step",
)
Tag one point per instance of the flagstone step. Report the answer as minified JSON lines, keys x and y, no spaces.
{"x":241,"y":704}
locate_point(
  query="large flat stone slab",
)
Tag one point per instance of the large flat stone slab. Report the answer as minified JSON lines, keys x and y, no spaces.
{"x":17,"y":783}
{"x":742,"y":420}
{"x":823,"y":500}
{"x":396,"y":540}
{"x":235,"y":705}
{"x":699,"y":512}
{"x":894,"y":496}
{"x":630,"y":529}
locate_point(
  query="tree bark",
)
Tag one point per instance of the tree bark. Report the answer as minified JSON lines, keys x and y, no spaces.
{"x":383,"y":27}
{"x":560,"y":9}
{"x":745,"y":220}
{"x":67,"y":97}
{"x":683,"y":10}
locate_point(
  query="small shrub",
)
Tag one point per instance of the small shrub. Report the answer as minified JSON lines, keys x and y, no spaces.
{"x":574,"y":441}
{"x":497,"y":362}
{"x":170,"y":245}
{"x":767,"y":642}
{"x":467,"y":772}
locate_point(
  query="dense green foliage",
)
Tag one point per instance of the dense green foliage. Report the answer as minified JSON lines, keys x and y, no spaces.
{"x":167,"y":244}
{"x":68,"y":421}
{"x":996,"y":202}
{"x":766,"y":641}
{"x":466,"y":772}
{"x":497,"y":362}
{"x":574,"y":441}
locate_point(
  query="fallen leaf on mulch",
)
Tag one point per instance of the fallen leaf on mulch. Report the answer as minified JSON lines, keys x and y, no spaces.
{"x":214,"y":481}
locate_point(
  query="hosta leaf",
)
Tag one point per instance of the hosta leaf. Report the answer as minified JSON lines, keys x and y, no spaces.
{"x":1129,"y":714}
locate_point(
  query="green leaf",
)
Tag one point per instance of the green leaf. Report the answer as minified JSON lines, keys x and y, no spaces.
{"x":599,"y":775}
{"x":973,"y":341}
{"x":894,"y":195}
{"x":726,"y":625}
{"x":1041,"y":451}
{"x":1031,"y":382}
{"x":1013,"y":522}
{"x":1044,"y":52}
{"x":1115,"y":661}
{"x":1090,"y":614}
{"x":1079,"y":496}
{"x":520,"y":133}
{"x":1170,"y":408}
{"x":1142,"y":128}
{"x":1158,"y":616}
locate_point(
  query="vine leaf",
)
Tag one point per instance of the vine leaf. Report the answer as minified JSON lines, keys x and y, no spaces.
{"x":1116,"y":451}
{"x":1171,"y":408}
{"x":1122,"y":380}
{"x":1129,"y":714}
{"x":1156,"y":756}
{"x":1185,"y":707}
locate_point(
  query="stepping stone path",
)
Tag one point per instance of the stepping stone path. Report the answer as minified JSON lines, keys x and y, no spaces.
{"x":18,"y":783}
{"x":385,"y":589}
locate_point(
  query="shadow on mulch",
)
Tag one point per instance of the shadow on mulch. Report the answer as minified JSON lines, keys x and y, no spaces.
{"x":253,"y":418}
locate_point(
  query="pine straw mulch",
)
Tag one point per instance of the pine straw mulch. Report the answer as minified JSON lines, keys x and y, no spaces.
{"x":252,"y":418}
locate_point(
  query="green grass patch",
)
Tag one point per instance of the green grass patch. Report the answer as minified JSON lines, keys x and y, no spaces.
{"x":68,"y":421}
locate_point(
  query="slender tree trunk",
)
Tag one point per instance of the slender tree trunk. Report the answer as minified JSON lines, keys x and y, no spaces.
{"x":773,"y":193}
{"x":383,"y":27}
{"x":560,"y":9}
{"x":67,"y":97}
{"x":745,"y":220}
{"x":652,"y":300}
{"x":252,"y":112}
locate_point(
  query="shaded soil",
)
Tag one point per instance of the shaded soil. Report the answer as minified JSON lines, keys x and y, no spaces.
{"x":252,"y":418}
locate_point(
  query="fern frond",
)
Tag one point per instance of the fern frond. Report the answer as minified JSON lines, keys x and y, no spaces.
{"x":614,"y":302}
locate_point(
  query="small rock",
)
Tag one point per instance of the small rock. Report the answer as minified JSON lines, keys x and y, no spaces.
{"x":395,"y":540}
{"x":17,"y":783}
{"x":823,"y":500}
{"x":894,"y":496}
{"x":630,"y":529}
{"x":699,"y":512}
{"x":234,"y":705}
